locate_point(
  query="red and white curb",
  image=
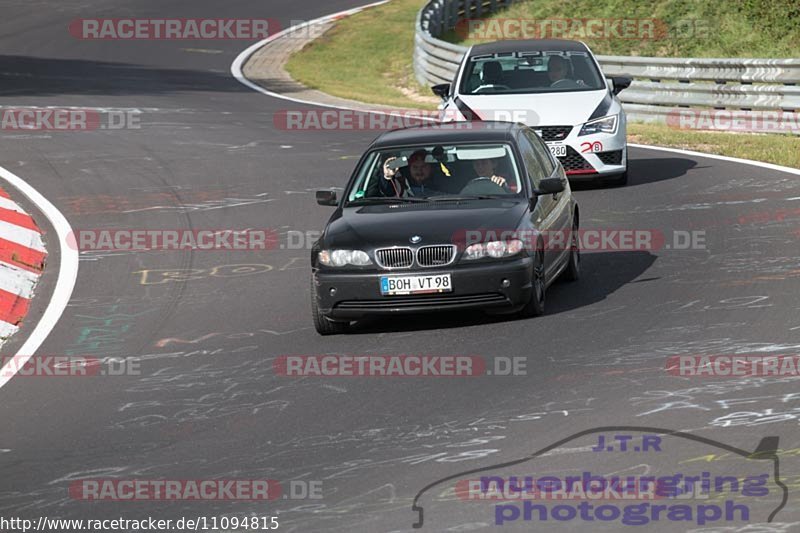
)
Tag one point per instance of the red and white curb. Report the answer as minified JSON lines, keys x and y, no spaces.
{"x":22,"y":248}
{"x":22,"y":258}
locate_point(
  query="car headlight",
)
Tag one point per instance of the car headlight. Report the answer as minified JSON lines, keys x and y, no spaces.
{"x":340,"y":258}
{"x":493,"y":249}
{"x":601,"y":125}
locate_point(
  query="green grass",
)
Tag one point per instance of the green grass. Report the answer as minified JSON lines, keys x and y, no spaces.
{"x":780,"y":149}
{"x":694,"y":28}
{"x":367,"y":57}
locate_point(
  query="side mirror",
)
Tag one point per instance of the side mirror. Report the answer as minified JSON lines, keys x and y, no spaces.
{"x":620,"y":83}
{"x":550,"y":186}
{"x":327,"y":198}
{"x":442,"y":91}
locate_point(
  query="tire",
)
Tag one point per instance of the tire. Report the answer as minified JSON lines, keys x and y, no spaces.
{"x":321,"y":323}
{"x":573,"y":270}
{"x":622,"y":179}
{"x":535,"y":306}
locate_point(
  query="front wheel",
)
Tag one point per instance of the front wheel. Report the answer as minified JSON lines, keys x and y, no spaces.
{"x":321,"y":323}
{"x":622,"y":179}
{"x":535,"y":306}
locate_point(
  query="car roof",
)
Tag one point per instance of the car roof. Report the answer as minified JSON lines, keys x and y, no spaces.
{"x":528,"y":45}
{"x":453,"y":132}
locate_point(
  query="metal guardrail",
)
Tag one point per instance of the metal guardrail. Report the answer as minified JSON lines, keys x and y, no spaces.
{"x":660,"y":85}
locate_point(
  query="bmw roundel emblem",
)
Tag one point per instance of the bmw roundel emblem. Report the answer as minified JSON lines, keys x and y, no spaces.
{"x":415,"y":239}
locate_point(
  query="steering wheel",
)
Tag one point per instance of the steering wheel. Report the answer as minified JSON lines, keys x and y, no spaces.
{"x":481,"y":186}
{"x":492,"y":86}
{"x":564,"y":82}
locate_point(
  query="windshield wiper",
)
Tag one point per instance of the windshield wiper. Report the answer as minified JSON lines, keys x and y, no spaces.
{"x":387,"y":200}
{"x":461,"y":198}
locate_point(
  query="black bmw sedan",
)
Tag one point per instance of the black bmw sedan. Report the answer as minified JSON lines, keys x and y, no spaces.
{"x":441,"y":217}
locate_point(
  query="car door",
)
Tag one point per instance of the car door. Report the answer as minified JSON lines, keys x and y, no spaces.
{"x":542,"y":215}
{"x":560,"y":208}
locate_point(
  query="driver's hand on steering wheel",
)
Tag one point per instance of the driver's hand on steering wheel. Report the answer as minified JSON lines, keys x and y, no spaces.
{"x":499,"y":180}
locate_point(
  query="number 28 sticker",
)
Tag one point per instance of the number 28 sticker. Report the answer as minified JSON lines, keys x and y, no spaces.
{"x":596,"y":146}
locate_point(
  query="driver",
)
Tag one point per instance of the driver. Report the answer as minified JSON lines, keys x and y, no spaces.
{"x":492,"y":73}
{"x":557,"y":69}
{"x":486,"y":168}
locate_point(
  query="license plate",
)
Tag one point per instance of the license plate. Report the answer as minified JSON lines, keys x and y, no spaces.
{"x":395,"y":285}
{"x":558,"y":150}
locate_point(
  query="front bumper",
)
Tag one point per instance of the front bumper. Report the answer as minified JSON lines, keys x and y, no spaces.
{"x":475,"y":286}
{"x":593,"y":156}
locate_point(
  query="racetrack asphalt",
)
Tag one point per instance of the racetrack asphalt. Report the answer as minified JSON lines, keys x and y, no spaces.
{"x":206,"y":402}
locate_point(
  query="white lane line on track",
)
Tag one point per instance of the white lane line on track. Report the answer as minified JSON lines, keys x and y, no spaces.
{"x":241,"y":59}
{"x":67,"y":275}
{"x":768,"y":166}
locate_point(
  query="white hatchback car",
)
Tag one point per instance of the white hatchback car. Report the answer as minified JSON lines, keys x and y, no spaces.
{"x":557,"y":88}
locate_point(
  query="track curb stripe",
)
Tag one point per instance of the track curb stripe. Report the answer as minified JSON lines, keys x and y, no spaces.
{"x":18,"y":218}
{"x":13,"y":307}
{"x":21,"y":256}
{"x":20,"y":265}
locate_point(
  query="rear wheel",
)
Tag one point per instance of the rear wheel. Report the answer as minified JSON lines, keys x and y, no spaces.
{"x":573,"y":270}
{"x":321,"y":323}
{"x":535,"y":305}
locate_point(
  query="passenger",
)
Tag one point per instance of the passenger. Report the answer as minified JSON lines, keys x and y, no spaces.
{"x":423,"y":179}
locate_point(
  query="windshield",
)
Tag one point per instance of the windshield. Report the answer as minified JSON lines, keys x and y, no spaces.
{"x":436,"y":173}
{"x":531,"y":72}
